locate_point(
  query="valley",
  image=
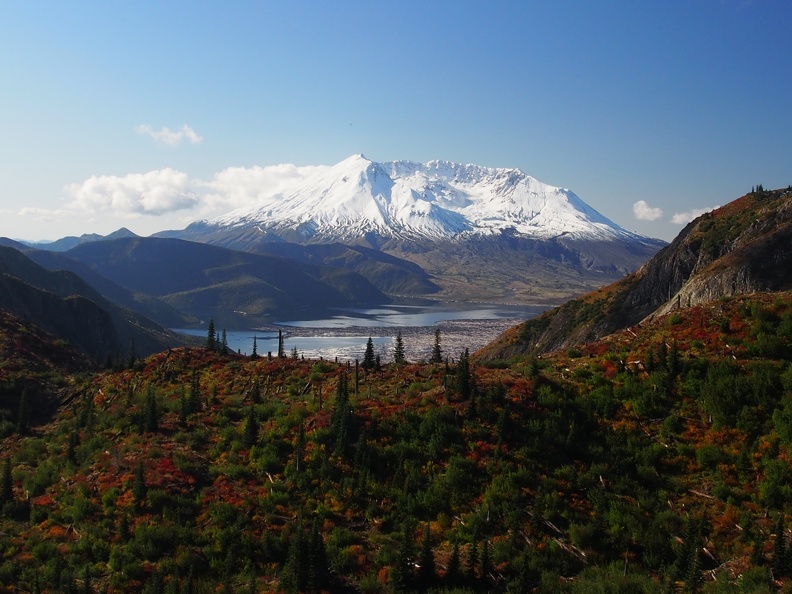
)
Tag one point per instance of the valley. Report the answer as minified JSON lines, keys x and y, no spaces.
{"x":637,"y":437}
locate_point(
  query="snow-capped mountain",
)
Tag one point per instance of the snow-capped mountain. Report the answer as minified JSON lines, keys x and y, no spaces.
{"x":474,"y":233}
{"x":435,"y":200}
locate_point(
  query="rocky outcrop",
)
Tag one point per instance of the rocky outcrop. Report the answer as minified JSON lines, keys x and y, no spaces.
{"x":743,"y":247}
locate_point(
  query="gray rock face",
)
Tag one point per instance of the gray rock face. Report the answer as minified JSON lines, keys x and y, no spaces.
{"x":743,"y":247}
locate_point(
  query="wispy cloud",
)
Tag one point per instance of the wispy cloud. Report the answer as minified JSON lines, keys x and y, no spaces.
{"x":235,"y":187}
{"x":644,"y":212}
{"x":166,"y":191}
{"x":43,"y":214}
{"x":170,"y":137}
{"x":683,"y":218}
{"x":153,"y":193}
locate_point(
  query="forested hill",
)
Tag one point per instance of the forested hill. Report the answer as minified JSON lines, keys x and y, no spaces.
{"x":657,"y":459}
{"x":743,"y":247}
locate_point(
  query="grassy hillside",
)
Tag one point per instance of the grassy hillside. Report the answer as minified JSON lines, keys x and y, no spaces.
{"x":657,"y":459}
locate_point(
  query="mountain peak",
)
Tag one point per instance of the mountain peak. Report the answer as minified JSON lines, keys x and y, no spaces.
{"x":435,"y":200}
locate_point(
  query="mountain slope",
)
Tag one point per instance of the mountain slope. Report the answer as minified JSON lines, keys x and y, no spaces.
{"x":63,"y":304}
{"x":743,"y":247}
{"x":391,"y":275}
{"x":148,"y":306}
{"x":437,"y":200}
{"x":37,"y":365}
{"x":478,"y":232}
{"x":572,"y":474}
{"x":234,"y":288}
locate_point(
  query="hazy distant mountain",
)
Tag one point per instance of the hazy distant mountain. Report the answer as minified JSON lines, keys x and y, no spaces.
{"x":236,"y":289}
{"x":66,"y":243}
{"x":479,"y":232}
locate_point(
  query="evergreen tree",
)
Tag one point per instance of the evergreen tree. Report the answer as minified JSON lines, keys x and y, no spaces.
{"x":650,"y":363}
{"x":533,"y":368}
{"x":184,"y":407}
{"x":139,"y":488}
{"x":224,"y":343}
{"x":295,"y":573}
{"x":281,"y":353}
{"x":86,"y":417}
{"x":454,"y":570}
{"x":485,"y":560}
{"x":250,"y":430}
{"x":194,"y":404}
{"x":368,"y":357}
{"x":23,"y":413}
{"x":71,"y":448}
{"x":472,"y":560}
{"x":688,"y":564}
{"x":150,"y":418}
{"x":155,"y":585}
{"x":132,"y":357}
{"x":6,"y":482}
{"x":463,"y":380}
{"x":318,"y":569}
{"x":254,"y":354}
{"x":255,"y":392}
{"x":401,"y":573}
{"x":426,"y":562}
{"x":398,"y":349}
{"x":437,"y":352}
{"x":342,"y":419}
{"x":779,"y":548}
{"x":673,"y":359}
{"x":87,"y":580}
{"x":187,"y":584}
{"x":662,"y":355}
{"x":211,"y":337}
{"x":299,"y":448}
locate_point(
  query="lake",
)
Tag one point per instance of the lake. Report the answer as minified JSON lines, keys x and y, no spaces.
{"x":343,"y":333}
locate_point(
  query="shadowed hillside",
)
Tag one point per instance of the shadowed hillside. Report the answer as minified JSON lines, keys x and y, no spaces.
{"x":234,"y":288}
{"x":61,"y":303}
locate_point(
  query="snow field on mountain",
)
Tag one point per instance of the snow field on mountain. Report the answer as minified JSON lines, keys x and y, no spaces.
{"x":435,"y":200}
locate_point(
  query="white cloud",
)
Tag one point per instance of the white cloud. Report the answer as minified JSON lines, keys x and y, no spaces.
{"x":169,"y":137}
{"x":167,"y":190}
{"x":644,"y":212}
{"x":683,"y":218}
{"x":153,"y":193}
{"x":43,"y":214}
{"x":235,"y":187}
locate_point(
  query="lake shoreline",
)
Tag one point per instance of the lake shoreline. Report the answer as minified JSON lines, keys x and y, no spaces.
{"x":343,"y":333}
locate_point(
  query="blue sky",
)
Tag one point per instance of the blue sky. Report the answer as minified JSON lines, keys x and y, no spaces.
{"x":152,"y":114}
